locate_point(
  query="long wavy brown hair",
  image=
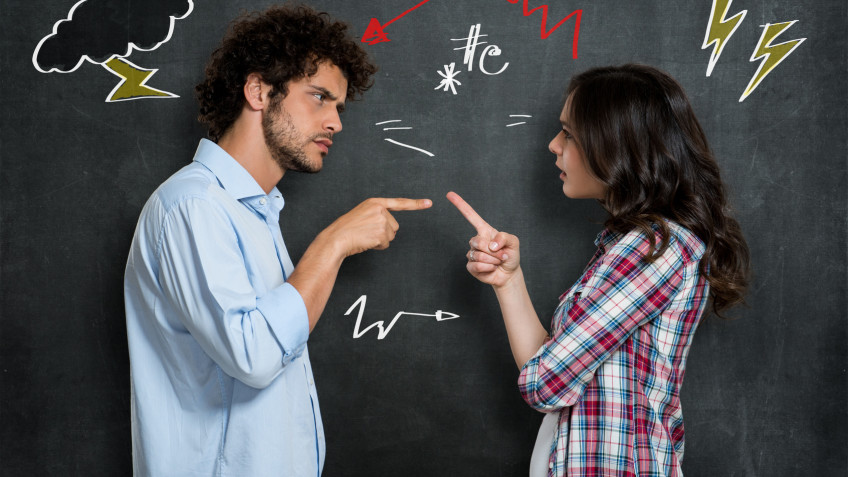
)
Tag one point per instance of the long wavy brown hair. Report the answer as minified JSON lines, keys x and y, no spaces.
{"x":280,"y":44}
{"x":640,"y":137}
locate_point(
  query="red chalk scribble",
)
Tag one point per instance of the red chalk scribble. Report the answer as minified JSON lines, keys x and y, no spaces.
{"x":375,"y":32}
{"x":545,"y":32}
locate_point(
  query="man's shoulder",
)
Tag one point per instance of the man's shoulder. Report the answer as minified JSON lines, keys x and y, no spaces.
{"x":192,"y":181}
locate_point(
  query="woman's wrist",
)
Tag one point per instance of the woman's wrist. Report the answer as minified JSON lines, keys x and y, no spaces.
{"x":515,"y":282}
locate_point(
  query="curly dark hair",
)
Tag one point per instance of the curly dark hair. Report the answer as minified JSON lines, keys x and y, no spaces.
{"x":640,"y":137}
{"x":281,"y":44}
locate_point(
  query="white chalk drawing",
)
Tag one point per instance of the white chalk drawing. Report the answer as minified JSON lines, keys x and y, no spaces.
{"x":518,"y":116}
{"x":449,"y":81}
{"x":771,"y":54}
{"x":105,"y":33}
{"x":721,"y":27}
{"x":400,"y":128}
{"x":472,"y":41}
{"x":382,"y":331}
{"x":133,"y":83}
{"x":392,"y":121}
{"x":719,"y":30}
{"x":410,"y":147}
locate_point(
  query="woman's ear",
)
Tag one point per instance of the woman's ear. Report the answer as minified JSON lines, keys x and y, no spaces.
{"x":256,"y":92}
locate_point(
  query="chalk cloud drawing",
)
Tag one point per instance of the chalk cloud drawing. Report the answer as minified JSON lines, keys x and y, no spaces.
{"x":720,"y":29}
{"x":105,"y":32}
{"x":398,"y":128}
{"x":383,"y":331}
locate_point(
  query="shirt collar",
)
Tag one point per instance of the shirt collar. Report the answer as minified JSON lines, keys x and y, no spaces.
{"x":607,"y":238}
{"x":232,"y":176}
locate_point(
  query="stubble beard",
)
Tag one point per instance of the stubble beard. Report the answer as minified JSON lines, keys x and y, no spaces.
{"x":285,"y":142}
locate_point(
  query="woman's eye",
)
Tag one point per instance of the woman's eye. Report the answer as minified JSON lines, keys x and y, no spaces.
{"x":567,"y":134}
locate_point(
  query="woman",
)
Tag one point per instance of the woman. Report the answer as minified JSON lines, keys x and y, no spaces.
{"x":609,"y":374}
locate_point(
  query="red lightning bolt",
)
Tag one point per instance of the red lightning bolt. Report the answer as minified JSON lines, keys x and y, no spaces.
{"x":545,"y":32}
{"x":772,"y":55}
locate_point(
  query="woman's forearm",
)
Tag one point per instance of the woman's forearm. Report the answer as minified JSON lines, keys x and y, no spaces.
{"x":526,"y":334}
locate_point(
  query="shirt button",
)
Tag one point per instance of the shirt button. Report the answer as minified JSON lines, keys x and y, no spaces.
{"x":262,"y":201}
{"x":550,"y":465}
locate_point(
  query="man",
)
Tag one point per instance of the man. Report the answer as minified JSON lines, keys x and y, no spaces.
{"x":217,"y":316}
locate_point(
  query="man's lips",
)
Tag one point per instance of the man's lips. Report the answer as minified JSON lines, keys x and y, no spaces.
{"x":323,"y":144}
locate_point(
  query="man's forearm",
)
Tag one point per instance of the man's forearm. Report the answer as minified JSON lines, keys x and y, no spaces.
{"x":316,"y":274}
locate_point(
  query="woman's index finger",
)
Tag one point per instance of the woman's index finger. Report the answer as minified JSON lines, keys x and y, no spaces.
{"x":469,"y":213}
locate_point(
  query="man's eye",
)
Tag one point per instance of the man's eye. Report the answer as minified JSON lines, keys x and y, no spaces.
{"x":319,"y":96}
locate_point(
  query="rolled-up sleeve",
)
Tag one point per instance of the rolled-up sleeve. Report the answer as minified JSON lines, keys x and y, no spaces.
{"x":285,"y":312}
{"x":623,"y":293}
{"x":204,"y":277}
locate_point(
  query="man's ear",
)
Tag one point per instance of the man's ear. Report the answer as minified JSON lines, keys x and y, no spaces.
{"x":256,"y":92}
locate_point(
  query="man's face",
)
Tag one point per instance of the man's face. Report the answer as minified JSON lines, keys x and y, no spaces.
{"x":299,"y":128}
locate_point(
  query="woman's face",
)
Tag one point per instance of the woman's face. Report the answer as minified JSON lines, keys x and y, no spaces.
{"x":577,"y":181}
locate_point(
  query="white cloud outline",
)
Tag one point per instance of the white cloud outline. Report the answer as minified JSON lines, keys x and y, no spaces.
{"x":130,"y":46}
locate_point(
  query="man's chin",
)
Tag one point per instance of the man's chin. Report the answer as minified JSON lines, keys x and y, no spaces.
{"x":314,"y":166}
{"x":305,"y":170}
{"x":305,"y":165}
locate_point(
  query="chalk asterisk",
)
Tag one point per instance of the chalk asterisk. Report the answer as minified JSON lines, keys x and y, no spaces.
{"x":449,"y":81}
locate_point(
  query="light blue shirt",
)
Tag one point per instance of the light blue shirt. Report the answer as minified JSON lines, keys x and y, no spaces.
{"x":221,"y":379}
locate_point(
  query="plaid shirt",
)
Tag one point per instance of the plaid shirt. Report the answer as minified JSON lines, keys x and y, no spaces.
{"x":614,"y":364}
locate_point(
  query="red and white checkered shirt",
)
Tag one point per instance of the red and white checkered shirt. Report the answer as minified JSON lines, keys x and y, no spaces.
{"x":614,"y":364}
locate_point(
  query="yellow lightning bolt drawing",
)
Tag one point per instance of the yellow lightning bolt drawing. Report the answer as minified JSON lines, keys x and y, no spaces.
{"x":133,"y":84}
{"x":720,"y":29}
{"x":772,"y":55}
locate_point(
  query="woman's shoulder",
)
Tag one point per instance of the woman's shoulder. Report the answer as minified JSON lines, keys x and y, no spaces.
{"x":682,"y":243}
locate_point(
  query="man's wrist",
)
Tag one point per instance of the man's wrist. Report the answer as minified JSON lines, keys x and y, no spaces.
{"x":331,"y":245}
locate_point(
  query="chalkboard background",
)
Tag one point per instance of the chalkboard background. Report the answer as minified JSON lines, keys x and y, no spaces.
{"x":765,"y":392}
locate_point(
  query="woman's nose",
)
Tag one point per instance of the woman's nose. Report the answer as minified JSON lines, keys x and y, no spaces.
{"x":554,"y":146}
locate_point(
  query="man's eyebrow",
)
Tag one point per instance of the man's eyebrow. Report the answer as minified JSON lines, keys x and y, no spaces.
{"x":324,"y":91}
{"x":340,"y":107}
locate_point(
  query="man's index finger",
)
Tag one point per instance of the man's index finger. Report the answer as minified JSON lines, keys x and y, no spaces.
{"x":395,"y":204}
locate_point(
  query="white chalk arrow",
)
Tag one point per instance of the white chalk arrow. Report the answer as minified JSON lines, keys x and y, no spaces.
{"x":383,"y":332}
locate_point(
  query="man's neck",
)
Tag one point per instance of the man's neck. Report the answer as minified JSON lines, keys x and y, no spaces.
{"x":246,"y":144}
